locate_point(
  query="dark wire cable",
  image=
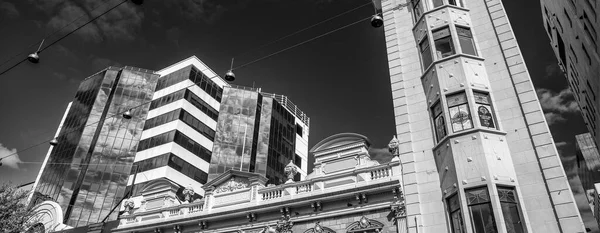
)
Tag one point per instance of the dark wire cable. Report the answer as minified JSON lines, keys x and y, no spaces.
{"x":302,"y":30}
{"x":301,"y":43}
{"x":64,"y":36}
{"x":194,"y":84}
{"x":51,"y":34}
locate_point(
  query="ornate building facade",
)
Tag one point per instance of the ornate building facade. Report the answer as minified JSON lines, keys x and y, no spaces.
{"x":476,"y":149}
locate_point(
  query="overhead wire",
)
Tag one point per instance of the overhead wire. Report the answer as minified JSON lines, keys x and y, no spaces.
{"x":64,"y":36}
{"x":51,"y":34}
{"x":303,"y":29}
{"x":194,"y":84}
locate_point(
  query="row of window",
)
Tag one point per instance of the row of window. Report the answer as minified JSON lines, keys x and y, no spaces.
{"x":481,"y":212}
{"x":173,"y":161}
{"x":190,"y":97}
{"x":420,"y":5}
{"x":460,"y":115}
{"x":587,"y":27}
{"x":191,"y":73}
{"x":444,"y":45}
{"x":179,"y":138}
{"x":183,"y":116}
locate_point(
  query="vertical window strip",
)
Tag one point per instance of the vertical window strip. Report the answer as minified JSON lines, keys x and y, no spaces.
{"x":483,"y":105}
{"x":465,"y":39}
{"x":480,"y":208}
{"x":460,"y":117}
{"x":456,"y":219}
{"x":510,"y":210}
{"x":439,"y":121}
{"x":443,"y":43}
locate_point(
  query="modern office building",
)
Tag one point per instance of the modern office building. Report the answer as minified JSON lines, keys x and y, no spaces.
{"x":261,"y":133}
{"x":176,"y":121}
{"x":572,"y":27}
{"x":199,"y":126}
{"x":588,"y":165}
{"x":86,"y":171}
{"x":476,"y":151}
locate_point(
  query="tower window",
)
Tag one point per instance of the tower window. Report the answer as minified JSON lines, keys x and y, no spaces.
{"x":437,"y":3}
{"x":417,"y":9}
{"x":443,"y":43}
{"x":460,"y":116}
{"x":456,"y":219}
{"x":425,"y":52}
{"x":510,"y":209}
{"x":480,"y":208}
{"x":483,"y":104}
{"x":465,"y":39}
{"x":439,"y":121}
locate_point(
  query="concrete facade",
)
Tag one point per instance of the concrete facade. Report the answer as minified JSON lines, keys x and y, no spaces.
{"x":572,"y":27}
{"x":510,"y":148}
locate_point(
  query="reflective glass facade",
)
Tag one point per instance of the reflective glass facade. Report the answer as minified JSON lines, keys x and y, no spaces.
{"x":255,"y":133}
{"x":87,"y":171}
{"x":588,"y":163}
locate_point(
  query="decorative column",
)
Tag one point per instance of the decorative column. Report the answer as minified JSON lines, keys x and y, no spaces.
{"x":208,"y":198}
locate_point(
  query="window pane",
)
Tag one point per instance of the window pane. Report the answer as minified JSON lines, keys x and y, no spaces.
{"x":456,"y":99}
{"x":425,"y":53}
{"x":444,"y":47}
{"x":437,"y":3}
{"x":485,"y":116}
{"x":511,"y":216}
{"x":483,"y":219}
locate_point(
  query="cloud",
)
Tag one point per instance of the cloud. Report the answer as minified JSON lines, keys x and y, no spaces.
{"x":552,"y":69}
{"x":381,"y":155}
{"x":562,"y":102}
{"x":120,"y":23}
{"x":560,"y":144}
{"x":11,"y":161}
{"x":99,"y":63}
{"x":173,"y":35}
{"x":207,"y":11}
{"x":8,"y":10}
{"x":553,"y":118}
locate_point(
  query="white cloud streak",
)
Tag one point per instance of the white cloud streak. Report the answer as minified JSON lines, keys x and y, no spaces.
{"x":11,"y":161}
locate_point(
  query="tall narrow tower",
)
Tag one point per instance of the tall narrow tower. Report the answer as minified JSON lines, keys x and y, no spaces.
{"x":476,"y":151}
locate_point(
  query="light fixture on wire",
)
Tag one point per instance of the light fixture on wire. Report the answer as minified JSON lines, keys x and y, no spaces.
{"x":230,"y":76}
{"x":376,"y":20}
{"x":54,"y":142}
{"x":127,"y":114}
{"x":35,"y":57}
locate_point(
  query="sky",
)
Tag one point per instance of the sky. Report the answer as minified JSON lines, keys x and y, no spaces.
{"x":340,"y":80}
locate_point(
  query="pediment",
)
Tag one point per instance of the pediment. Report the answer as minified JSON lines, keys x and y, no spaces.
{"x":232,"y":180}
{"x":365,"y":225}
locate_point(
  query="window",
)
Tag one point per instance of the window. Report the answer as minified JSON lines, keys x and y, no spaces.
{"x":437,"y":3}
{"x":299,"y":129}
{"x":588,"y":28}
{"x":549,"y":30}
{"x":510,"y":210}
{"x":443,"y":43}
{"x":587,"y":55}
{"x":456,"y":3}
{"x":587,"y":82}
{"x":417,"y":9}
{"x":465,"y":39}
{"x":439,"y":121}
{"x":425,"y":53}
{"x":161,"y":119}
{"x":196,"y":124}
{"x":298,"y":161}
{"x":483,"y":104}
{"x":200,"y":104}
{"x":561,"y":49}
{"x":568,"y":17}
{"x":460,"y":118}
{"x":480,"y":208}
{"x":574,"y":54}
{"x":456,"y":220}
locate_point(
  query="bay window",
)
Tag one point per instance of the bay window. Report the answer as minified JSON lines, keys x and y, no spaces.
{"x":465,"y":39}
{"x":460,"y":116}
{"x":417,"y":9}
{"x":439,"y":121}
{"x":480,"y":209}
{"x":483,"y":104}
{"x":443,"y":43}
{"x":425,"y":52}
{"x":510,"y":210}
{"x":456,"y":220}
